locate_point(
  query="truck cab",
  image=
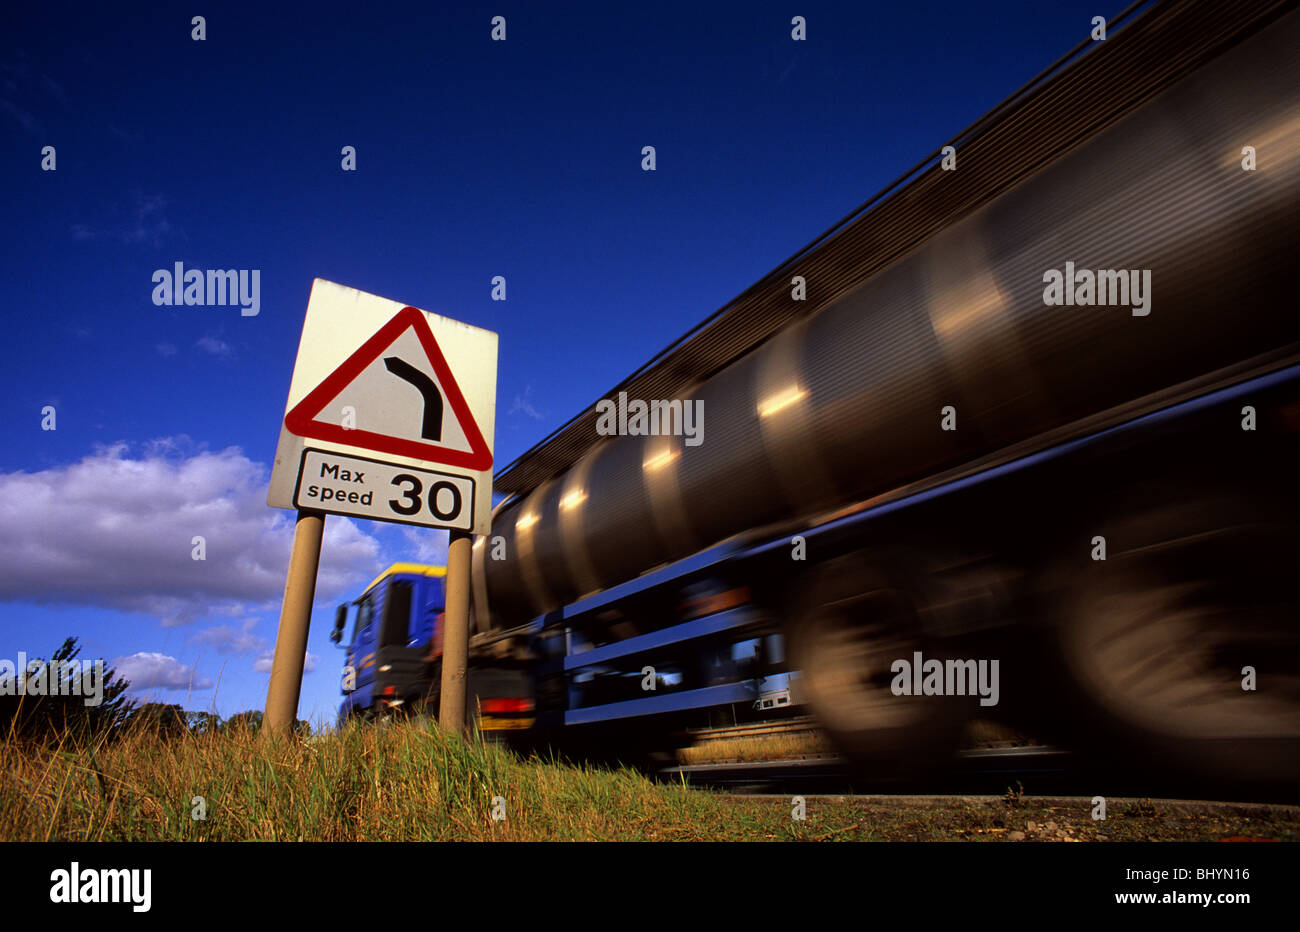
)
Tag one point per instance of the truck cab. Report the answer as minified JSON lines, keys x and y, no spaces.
{"x":394,"y":655}
{"x":395,"y":649}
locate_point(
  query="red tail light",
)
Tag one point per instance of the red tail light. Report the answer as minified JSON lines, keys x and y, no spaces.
{"x":713,"y":602}
{"x":505,"y":706}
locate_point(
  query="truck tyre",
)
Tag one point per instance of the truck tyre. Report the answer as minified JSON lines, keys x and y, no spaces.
{"x":1155,"y":643}
{"x":844,"y":631}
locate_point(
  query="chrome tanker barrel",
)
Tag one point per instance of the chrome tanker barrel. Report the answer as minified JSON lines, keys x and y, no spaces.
{"x":846,"y":403}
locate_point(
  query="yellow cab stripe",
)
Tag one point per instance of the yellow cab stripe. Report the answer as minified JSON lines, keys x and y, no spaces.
{"x":415,"y":569}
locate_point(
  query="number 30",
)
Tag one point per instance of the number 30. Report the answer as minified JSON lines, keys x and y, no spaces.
{"x":411,"y":502}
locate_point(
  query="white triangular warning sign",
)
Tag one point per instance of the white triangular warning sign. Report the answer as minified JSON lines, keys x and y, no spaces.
{"x":404,"y":397}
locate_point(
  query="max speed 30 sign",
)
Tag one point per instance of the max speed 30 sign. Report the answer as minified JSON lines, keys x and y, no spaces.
{"x":350,"y":485}
{"x":390,"y":415}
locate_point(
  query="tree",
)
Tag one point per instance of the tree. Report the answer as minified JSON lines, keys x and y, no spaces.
{"x":49,"y":701}
{"x":162,"y":719}
{"x":202,"y":723}
{"x":251,"y":720}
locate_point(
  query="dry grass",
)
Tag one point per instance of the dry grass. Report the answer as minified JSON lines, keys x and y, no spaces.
{"x":984,"y":733}
{"x":812,"y":743}
{"x":758,"y":748}
{"x":398,"y":781}
{"x":392,"y":782}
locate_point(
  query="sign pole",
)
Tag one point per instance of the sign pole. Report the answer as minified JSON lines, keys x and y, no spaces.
{"x":455,"y":637}
{"x":295,"y":618}
{"x":423,"y":456}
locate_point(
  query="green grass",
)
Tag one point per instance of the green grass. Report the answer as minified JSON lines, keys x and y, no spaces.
{"x":390,"y":782}
{"x":400,"y":781}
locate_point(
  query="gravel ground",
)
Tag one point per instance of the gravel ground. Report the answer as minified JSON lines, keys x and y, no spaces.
{"x":1041,"y":819}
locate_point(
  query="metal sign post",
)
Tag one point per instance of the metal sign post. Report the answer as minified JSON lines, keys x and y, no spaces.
{"x":295,"y":619}
{"x":390,"y":417}
{"x":455,"y":638}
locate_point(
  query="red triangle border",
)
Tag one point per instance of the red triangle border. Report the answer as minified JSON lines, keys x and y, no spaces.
{"x":302,"y":422}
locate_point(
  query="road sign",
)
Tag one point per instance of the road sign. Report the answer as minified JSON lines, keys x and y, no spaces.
{"x":350,"y":485}
{"x":404,"y":391}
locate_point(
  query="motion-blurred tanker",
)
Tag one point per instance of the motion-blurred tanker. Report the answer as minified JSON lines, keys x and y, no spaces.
{"x":845,"y":402}
{"x":1038,"y":409}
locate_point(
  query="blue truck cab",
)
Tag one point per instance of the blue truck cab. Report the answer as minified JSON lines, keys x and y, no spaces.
{"x":394,"y":654}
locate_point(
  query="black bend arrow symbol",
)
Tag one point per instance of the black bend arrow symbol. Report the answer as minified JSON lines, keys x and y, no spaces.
{"x":432,"y":427}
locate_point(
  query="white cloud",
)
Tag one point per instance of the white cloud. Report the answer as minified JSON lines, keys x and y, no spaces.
{"x":227,"y":639}
{"x":522,"y":403}
{"x":430,"y":545}
{"x":117,"y":531}
{"x":214,"y":346}
{"x":144,"y":222}
{"x":151,"y":670}
{"x":263,"y":663}
{"x":22,"y":116}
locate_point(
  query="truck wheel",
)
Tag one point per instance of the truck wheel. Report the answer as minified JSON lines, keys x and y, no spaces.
{"x":1155,"y":641}
{"x":844,"y":632}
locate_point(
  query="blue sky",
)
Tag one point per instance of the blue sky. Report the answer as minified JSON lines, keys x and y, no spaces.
{"x":474,"y":159}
